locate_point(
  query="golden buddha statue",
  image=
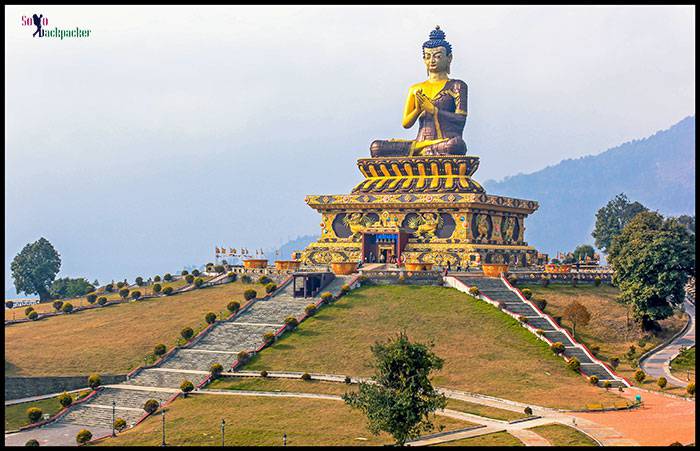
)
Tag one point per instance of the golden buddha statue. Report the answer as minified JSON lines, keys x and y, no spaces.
{"x":439,"y":104}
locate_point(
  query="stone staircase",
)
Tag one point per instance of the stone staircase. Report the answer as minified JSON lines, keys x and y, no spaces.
{"x":496,"y":290}
{"x":221,"y":344}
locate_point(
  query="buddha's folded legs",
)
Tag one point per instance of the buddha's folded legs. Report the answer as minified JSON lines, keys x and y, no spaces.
{"x":381,"y":148}
{"x":453,"y":146}
{"x":401,"y":148}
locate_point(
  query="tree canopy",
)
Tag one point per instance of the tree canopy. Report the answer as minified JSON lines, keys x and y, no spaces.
{"x":652,"y":258}
{"x":400,"y":398}
{"x":35,"y":268}
{"x":612,"y":218}
{"x":578,"y":314}
{"x":71,"y":288}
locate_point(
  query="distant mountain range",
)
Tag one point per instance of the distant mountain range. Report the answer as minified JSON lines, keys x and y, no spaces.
{"x":658,"y":171}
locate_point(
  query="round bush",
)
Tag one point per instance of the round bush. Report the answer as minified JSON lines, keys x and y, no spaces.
{"x":345,"y":289}
{"x":187,"y":333}
{"x":157,"y":288}
{"x":545,"y":281}
{"x":83,"y":436}
{"x":690,"y":389}
{"x":28,"y":310}
{"x":109,"y":288}
{"x":160,"y":349}
{"x":541,"y":304}
{"x":597,"y":281}
{"x":168,"y":277}
{"x":310,"y":309}
{"x":639,"y":376}
{"x":661,"y":382}
{"x":474,"y":291}
{"x":102,"y":300}
{"x":186,"y":387}
{"x":120,"y":284}
{"x":120,"y":424}
{"x":219,"y":269}
{"x":32,"y":442}
{"x":528,"y":411}
{"x":523,"y":319}
{"x":245,"y":278}
{"x":250,"y":294}
{"x":233,"y":306}
{"x":263,"y":373}
{"x":268,"y":337}
{"x":67,"y":307}
{"x":539,"y":332}
{"x":9,"y":304}
{"x":210,"y":318}
{"x":189,"y":278}
{"x":94,"y":381}
{"x":57,"y":305}
{"x":306,"y":377}
{"x":151,"y":406}
{"x":593,"y":380}
{"x":139,"y":281}
{"x":243,"y":356}
{"x":91,"y":298}
{"x":33,"y":315}
{"x":198,"y":282}
{"x":270,"y":287}
{"x":327,"y":297}
{"x":527,"y":293}
{"x":401,"y":280}
{"x":291,"y":322}
{"x":264,"y":280}
{"x":574,"y":364}
{"x":215,"y":370}
{"x":557,"y":347}
{"x":156,"y":278}
{"x":195,"y":272}
{"x":136,"y":294}
{"x":233,"y":276}
{"x":34,"y":414}
{"x":65,"y":399}
{"x":168,"y":290}
{"x":124,"y":293}
{"x":512,"y":280}
{"x":184,"y":272}
{"x":348,"y":380}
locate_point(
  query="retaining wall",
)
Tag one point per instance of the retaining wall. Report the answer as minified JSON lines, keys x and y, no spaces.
{"x":17,"y":387}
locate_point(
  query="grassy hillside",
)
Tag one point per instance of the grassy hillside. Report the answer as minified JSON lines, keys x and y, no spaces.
{"x":112,"y":339}
{"x":484,"y":350}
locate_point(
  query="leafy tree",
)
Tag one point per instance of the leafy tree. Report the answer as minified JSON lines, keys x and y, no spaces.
{"x":233,"y":306}
{"x":91,"y":298}
{"x":612,"y":218}
{"x":102,"y":300}
{"x":250,"y":294}
{"x":151,"y":406}
{"x":186,"y":387}
{"x":124,"y":293}
{"x":688,"y":222}
{"x":401,"y":398}
{"x":159,"y":350}
{"x":167,"y":277}
{"x":577,"y":313}
{"x":67,"y":307}
{"x":652,"y":258}
{"x":70,"y":288}
{"x":139,"y":281}
{"x":35,"y":268}
{"x":210,"y":318}
{"x":157,"y":287}
{"x":583,"y":251}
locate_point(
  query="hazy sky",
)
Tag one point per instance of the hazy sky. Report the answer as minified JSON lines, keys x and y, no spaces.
{"x":170,"y":129}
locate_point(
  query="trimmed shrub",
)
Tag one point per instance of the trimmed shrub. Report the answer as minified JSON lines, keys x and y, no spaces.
{"x":32,"y":442}
{"x":593,"y":380}
{"x":219,"y":269}
{"x":109,"y":288}
{"x":120,"y":285}
{"x":597,"y":281}
{"x":157,"y":288}
{"x":215,"y":370}
{"x":195,"y":272}
{"x":291,"y":322}
{"x":124,"y":293}
{"x":557,"y":319}
{"x":474,"y":291}
{"x":310,"y":309}
{"x":34,"y":414}
{"x":57,"y":305}
{"x":539,"y":332}
{"x":243,"y":356}
{"x":661,"y":382}
{"x":362,"y":279}
{"x":65,"y":399}
{"x":67,"y":307}
{"x":83,"y":436}
{"x":189,"y":278}
{"x":523,"y":319}
{"x":198,"y":282}
{"x":168,"y":277}
{"x":187,"y":333}
{"x":540,"y":303}
{"x":557,"y":347}
{"x":512,"y":280}
{"x":607,"y":385}
{"x":614,"y":362}
{"x":28,"y":310}
{"x":501,"y":305}
{"x":270,"y":287}
{"x":136,"y":294}
{"x":595,"y":349}
{"x":233,"y":276}
{"x":102,"y":300}
{"x":690,"y":389}
{"x":245,"y":278}
{"x":184,"y":272}
{"x":528,"y":411}
{"x":233,"y":306}
{"x":345,"y":289}
{"x":156,"y":278}
{"x":186,"y":387}
{"x":151,"y":406}
{"x":250,"y":294}
{"x":94,"y":381}
{"x":33,"y":315}
{"x":264,"y":280}
{"x":120,"y":424}
{"x":139,"y":281}
{"x":348,"y":380}
{"x":327,"y":297}
{"x":91,"y":298}
{"x":9,"y":304}
{"x":574,"y":364}
{"x":168,"y":290}
{"x":527,"y":293}
{"x":306,"y":377}
{"x":639,"y":376}
{"x":159,"y":349}
{"x":268,"y":337}
{"x":263,"y":373}
{"x":210,"y":318}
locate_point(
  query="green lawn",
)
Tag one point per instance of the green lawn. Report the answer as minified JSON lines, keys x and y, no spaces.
{"x":495,"y":439}
{"x":561,"y":435}
{"x":684,"y":365}
{"x":16,"y":414}
{"x":284,"y":385}
{"x":484,"y":349}
{"x":484,"y":411}
{"x":259,"y":421}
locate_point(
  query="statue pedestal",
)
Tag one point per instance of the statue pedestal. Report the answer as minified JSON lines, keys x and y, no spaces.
{"x":254,"y":263}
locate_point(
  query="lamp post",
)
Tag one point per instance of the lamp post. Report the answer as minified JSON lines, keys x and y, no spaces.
{"x":114,"y":408}
{"x":223,"y":425}
{"x":162,"y":415}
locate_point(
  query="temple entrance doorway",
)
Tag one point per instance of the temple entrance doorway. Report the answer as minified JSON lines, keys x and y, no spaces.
{"x":383,"y":247}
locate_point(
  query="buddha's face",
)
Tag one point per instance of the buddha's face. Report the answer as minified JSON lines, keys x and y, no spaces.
{"x":436,"y":60}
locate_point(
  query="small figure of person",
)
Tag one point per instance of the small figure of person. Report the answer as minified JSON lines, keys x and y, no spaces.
{"x":449,"y":267}
{"x":37,"y":23}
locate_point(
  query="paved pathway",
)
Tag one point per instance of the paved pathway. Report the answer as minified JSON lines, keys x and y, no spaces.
{"x":53,"y":435}
{"x":39,"y":398}
{"x":657,"y":364}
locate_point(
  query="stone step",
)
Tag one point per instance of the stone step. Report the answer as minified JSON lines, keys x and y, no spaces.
{"x":93,"y":417}
{"x":274,"y":310}
{"x":521,"y":309}
{"x":541,"y":323}
{"x":126,"y":398}
{"x":578,"y":353}
{"x":167,"y":379}
{"x":558,"y":336}
{"x":596,"y":369}
{"x":230,"y":336}
{"x":191,"y":359}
